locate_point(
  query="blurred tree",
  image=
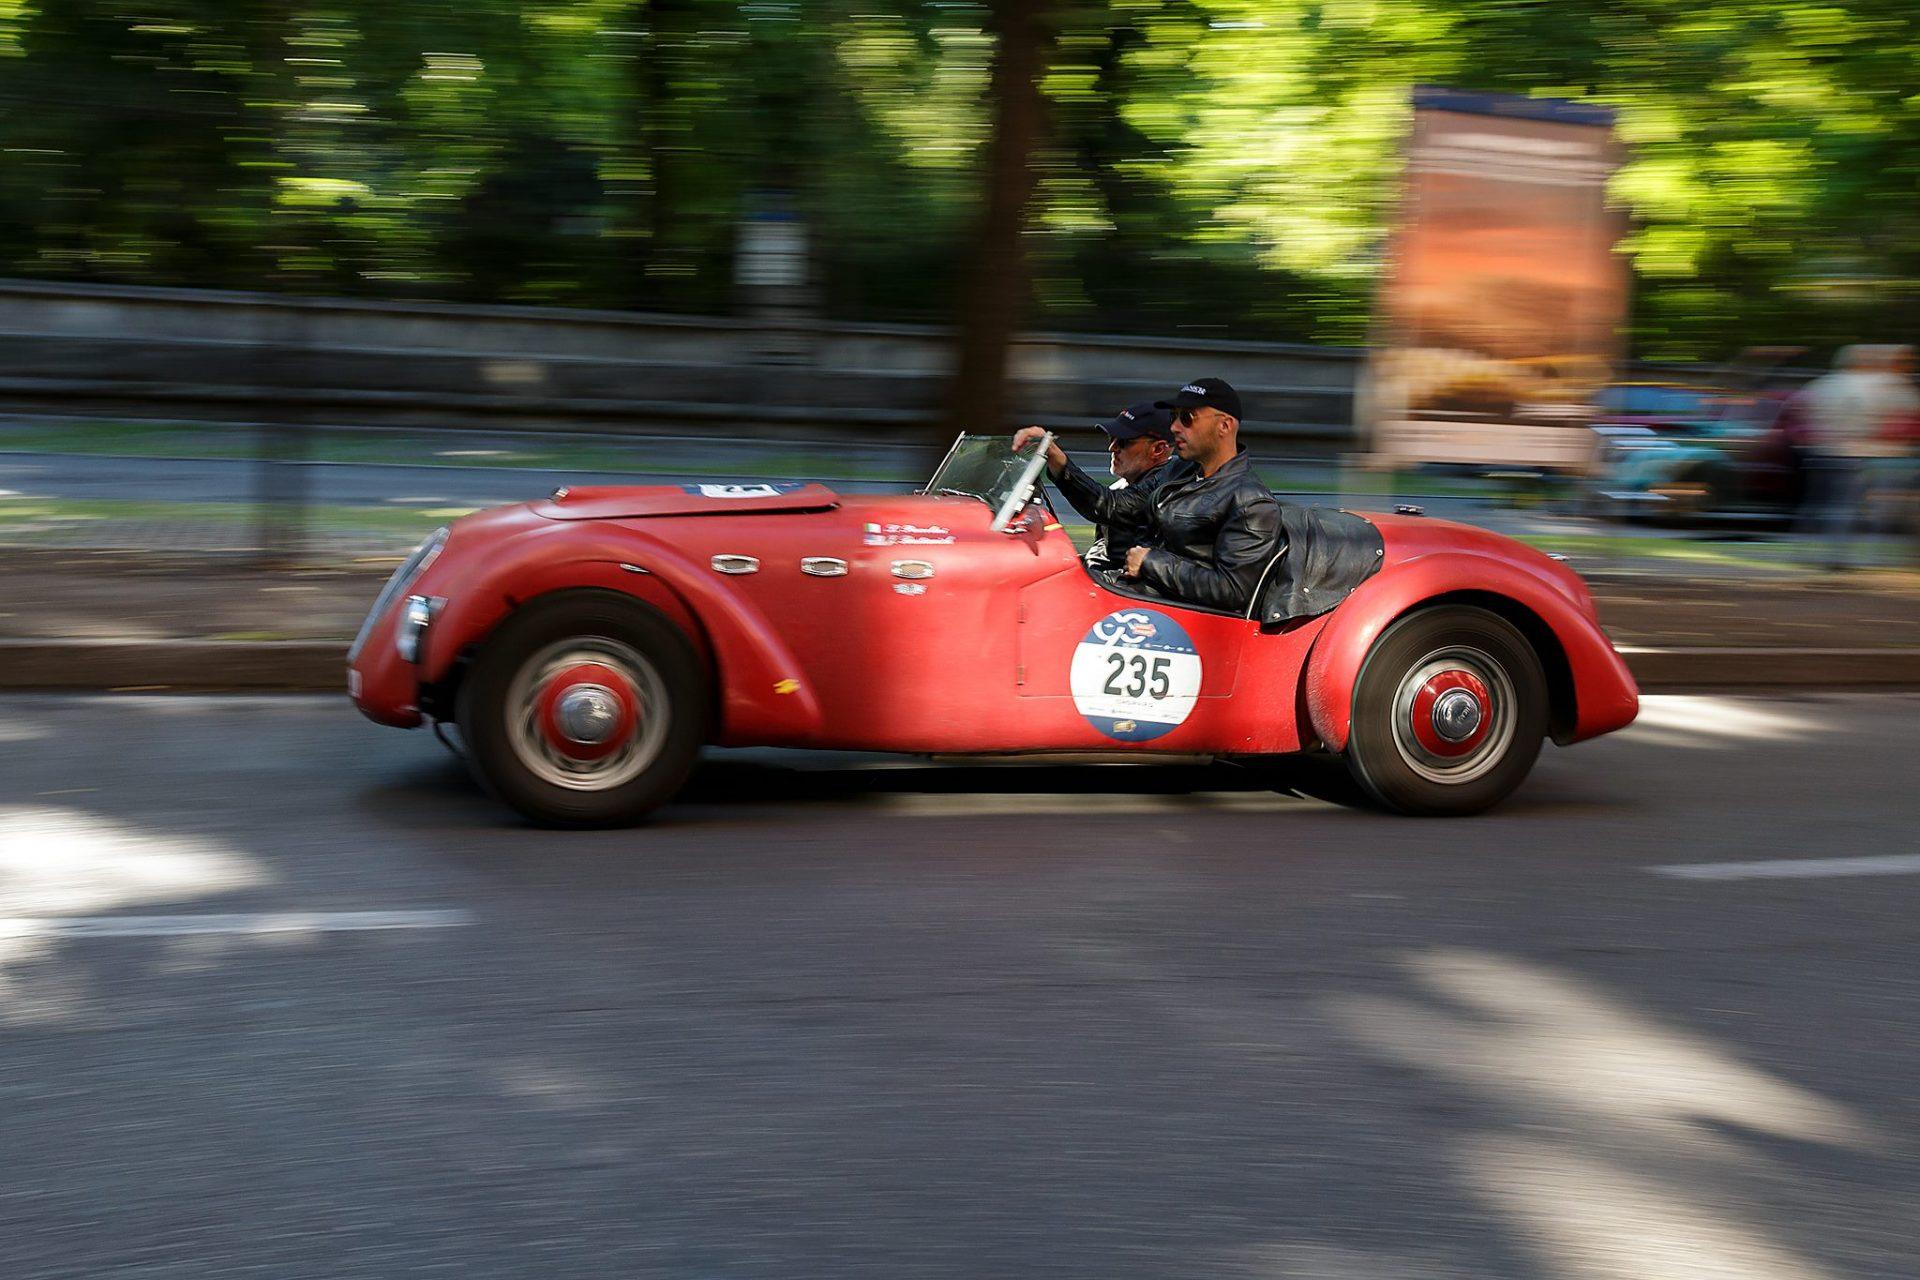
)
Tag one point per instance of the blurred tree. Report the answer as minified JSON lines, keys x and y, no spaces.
{"x":1213,"y":168}
{"x":995,"y":289}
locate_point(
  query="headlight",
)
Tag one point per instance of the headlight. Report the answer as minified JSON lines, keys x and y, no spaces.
{"x":405,"y":576}
{"x":414,"y":621}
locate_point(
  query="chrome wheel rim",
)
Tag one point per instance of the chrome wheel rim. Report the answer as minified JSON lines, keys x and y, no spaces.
{"x":1453,"y":715}
{"x":595,"y":732}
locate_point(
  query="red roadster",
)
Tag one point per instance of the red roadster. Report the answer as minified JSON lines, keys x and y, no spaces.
{"x":588,"y":645}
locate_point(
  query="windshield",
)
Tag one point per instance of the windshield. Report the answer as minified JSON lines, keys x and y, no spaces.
{"x":987,"y":468}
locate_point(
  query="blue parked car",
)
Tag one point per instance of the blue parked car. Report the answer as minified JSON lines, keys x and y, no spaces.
{"x":1675,"y":453}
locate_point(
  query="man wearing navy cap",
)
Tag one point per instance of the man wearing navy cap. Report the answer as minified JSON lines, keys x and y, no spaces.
{"x":1212,"y":528}
{"x":1140,"y":450}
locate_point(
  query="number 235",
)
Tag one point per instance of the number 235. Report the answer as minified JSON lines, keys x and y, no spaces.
{"x":1149,"y":677}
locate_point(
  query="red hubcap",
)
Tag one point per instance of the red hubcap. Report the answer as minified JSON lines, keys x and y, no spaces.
{"x":588,"y":711}
{"x":1451,"y":714}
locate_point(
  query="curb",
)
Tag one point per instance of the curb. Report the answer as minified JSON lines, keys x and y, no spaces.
{"x":320,"y":666}
{"x":278,"y":666}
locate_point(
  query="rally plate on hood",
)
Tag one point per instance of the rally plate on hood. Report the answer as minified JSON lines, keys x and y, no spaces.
{"x":605,"y":502}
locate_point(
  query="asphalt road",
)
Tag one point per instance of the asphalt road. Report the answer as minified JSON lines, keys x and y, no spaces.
{"x":920,"y":1021}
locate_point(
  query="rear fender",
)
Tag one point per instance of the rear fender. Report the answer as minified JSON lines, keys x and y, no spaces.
{"x":1591,"y":688}
{"x":756,"y":675}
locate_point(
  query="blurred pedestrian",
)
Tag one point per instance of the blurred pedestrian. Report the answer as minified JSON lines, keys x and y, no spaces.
{"x":1853,"y":410}
{"x":1901,"y":431}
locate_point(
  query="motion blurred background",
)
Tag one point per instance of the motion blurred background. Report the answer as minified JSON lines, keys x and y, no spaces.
{"x":287,"y":285}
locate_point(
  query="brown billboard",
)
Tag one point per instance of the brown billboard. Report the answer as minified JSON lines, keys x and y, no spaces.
{"x":1500,"y":314}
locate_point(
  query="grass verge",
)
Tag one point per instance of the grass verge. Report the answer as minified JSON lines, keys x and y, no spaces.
{"x":112,"y":439}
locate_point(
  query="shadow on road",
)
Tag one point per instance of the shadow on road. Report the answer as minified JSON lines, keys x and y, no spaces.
{"x":745,"y":781}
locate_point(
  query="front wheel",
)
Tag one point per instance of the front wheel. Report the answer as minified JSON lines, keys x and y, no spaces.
{"x":1448,"y":714}
{"x":584,"y":711}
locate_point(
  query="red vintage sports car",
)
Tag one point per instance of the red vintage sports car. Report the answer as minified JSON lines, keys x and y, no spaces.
{"x":588,"y":645}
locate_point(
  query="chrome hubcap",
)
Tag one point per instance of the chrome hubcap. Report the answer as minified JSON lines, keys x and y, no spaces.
{"x":588,"y":714}
{"x":1456,"y":715}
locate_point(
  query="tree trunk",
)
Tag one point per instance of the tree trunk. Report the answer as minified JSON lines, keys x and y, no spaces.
{"x":995,"y":287}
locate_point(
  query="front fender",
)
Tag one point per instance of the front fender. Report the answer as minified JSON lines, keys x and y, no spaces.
{"x":757,"y":674}
{"x":1604,"y":696}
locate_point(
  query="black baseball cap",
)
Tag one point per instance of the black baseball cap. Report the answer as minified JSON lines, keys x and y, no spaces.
{"x":1207,"y":391}
{"x":1140,"y":420}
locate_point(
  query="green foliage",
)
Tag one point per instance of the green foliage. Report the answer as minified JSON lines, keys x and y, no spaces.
{"x":1218,"y":168}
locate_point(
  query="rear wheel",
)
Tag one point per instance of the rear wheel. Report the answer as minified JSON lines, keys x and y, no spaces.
{"x":1449,"y":712}
{"x":584,"y":711}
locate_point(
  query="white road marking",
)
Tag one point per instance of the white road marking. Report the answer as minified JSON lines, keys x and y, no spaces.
{"x":261,"y":922}
{"x":1895,"y":864}
{"x":1091,"y":806}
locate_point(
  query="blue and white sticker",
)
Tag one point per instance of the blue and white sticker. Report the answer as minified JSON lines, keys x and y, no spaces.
{"x":743,"y":490}
{"x":1135,"y":675}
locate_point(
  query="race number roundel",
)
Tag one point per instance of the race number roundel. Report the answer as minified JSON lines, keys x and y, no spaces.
{"x":1135,"y":675}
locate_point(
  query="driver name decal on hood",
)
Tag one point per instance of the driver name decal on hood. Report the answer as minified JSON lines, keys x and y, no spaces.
{"x":1135,"y":675}
{"x":743,"y":490}
{"x":907,"y":535}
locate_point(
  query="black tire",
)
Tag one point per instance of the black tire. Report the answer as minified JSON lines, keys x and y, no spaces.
{"x":1392,"y":747}
{"x":512,"y":758}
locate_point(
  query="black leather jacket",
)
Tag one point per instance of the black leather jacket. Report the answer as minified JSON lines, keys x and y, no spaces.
{"x":1127,"y":529}
{"x":1211,"y":537}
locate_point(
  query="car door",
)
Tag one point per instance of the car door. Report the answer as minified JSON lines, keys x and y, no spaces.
{"x":1106,"y":669}
{"x":900,"y":613}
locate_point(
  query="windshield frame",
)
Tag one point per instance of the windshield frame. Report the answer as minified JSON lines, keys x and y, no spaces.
{"x":1006,"y":501}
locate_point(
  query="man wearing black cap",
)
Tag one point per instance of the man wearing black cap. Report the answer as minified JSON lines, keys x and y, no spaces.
{"x":1212,"y":528}
{"x":1140,"y":449}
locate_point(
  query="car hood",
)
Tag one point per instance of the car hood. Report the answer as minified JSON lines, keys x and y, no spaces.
{"x":607,"y":502}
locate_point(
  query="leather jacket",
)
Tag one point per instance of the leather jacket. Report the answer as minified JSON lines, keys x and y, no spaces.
{"x":1111,"y":540}
{"x":1211,"y":537}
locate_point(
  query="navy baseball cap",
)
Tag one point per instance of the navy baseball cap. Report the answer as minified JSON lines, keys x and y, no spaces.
{"x":1141,"y":420}
{"x":1208,"y":391}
